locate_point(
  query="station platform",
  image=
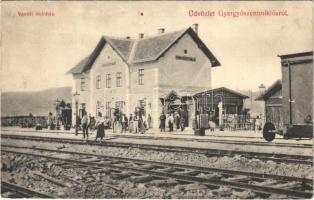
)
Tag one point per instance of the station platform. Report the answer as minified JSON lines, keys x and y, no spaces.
{"x":211,"y":140}
{"x":187,"y":133}
{"x":238,"y":135}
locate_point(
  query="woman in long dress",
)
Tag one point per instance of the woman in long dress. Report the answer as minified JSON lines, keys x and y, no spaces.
{"x":100,"y":126}
{"x":135,"y":123}
{"x":258,"y":124}
{"x":142,"y":127}
{"x":170,"y":122}
{"x":131,"y":125}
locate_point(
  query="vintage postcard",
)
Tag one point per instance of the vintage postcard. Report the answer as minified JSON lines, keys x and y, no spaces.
{"x":157,"y":99}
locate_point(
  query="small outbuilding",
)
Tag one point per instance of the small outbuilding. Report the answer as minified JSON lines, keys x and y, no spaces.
{"x":273,"y":103}
{"x":220,"y":101}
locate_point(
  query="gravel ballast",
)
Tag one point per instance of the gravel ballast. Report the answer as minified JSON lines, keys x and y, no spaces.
{"x":234,"y":163}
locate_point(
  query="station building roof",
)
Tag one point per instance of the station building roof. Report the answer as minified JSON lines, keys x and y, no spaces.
{"x":221,"y":89}
{"x":135,"y":51}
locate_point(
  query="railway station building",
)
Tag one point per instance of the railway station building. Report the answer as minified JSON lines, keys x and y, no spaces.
{"x":141,"y":74}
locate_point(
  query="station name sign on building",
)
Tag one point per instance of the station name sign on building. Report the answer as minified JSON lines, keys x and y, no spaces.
{"x":186,"y":58}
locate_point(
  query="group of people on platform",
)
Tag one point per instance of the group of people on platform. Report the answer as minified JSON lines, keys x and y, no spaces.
{"x":171,"y":120}
{"x":242,"y":122}
{"x":140,"y":123}
{"x":137,"y":123}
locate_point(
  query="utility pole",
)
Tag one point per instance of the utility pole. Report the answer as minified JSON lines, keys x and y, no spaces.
{"x":262,"y":88}
{"x":76,"y":98}
{"x":251,"y":99}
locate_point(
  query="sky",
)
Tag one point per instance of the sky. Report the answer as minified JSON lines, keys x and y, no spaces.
{"x":37,"y":51}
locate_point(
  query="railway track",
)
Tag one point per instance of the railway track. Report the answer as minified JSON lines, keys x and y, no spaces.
{"x":16,"y":191}
{"x":211,"y":140}
{"x":281,"y":158}
{"x":139,"y":171}
{"x":255,"y":143}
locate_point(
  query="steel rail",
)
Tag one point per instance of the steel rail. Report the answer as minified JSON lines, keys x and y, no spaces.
{"x":22,"y":191}
{"x":222,"y":136}
{"x":285,"y":158}
{"x":256,"y":143}
{"x":205,"y":181}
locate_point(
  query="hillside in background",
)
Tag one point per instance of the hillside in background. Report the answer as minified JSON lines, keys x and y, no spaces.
{"x":37,"y":102}
{"x":41,"y":102}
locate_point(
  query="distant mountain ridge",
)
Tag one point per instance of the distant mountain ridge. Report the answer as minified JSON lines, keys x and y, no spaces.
{"x":35,"y":102}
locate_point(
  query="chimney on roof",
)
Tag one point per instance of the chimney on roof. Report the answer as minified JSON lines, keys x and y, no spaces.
{"x":141,"y":35}
{"x":161,"y":30}
{"x":195,"y":28}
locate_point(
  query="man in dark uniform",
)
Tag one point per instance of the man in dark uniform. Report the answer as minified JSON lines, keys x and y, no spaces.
{"x":162,"y":122}
{"x":116,"y":120}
